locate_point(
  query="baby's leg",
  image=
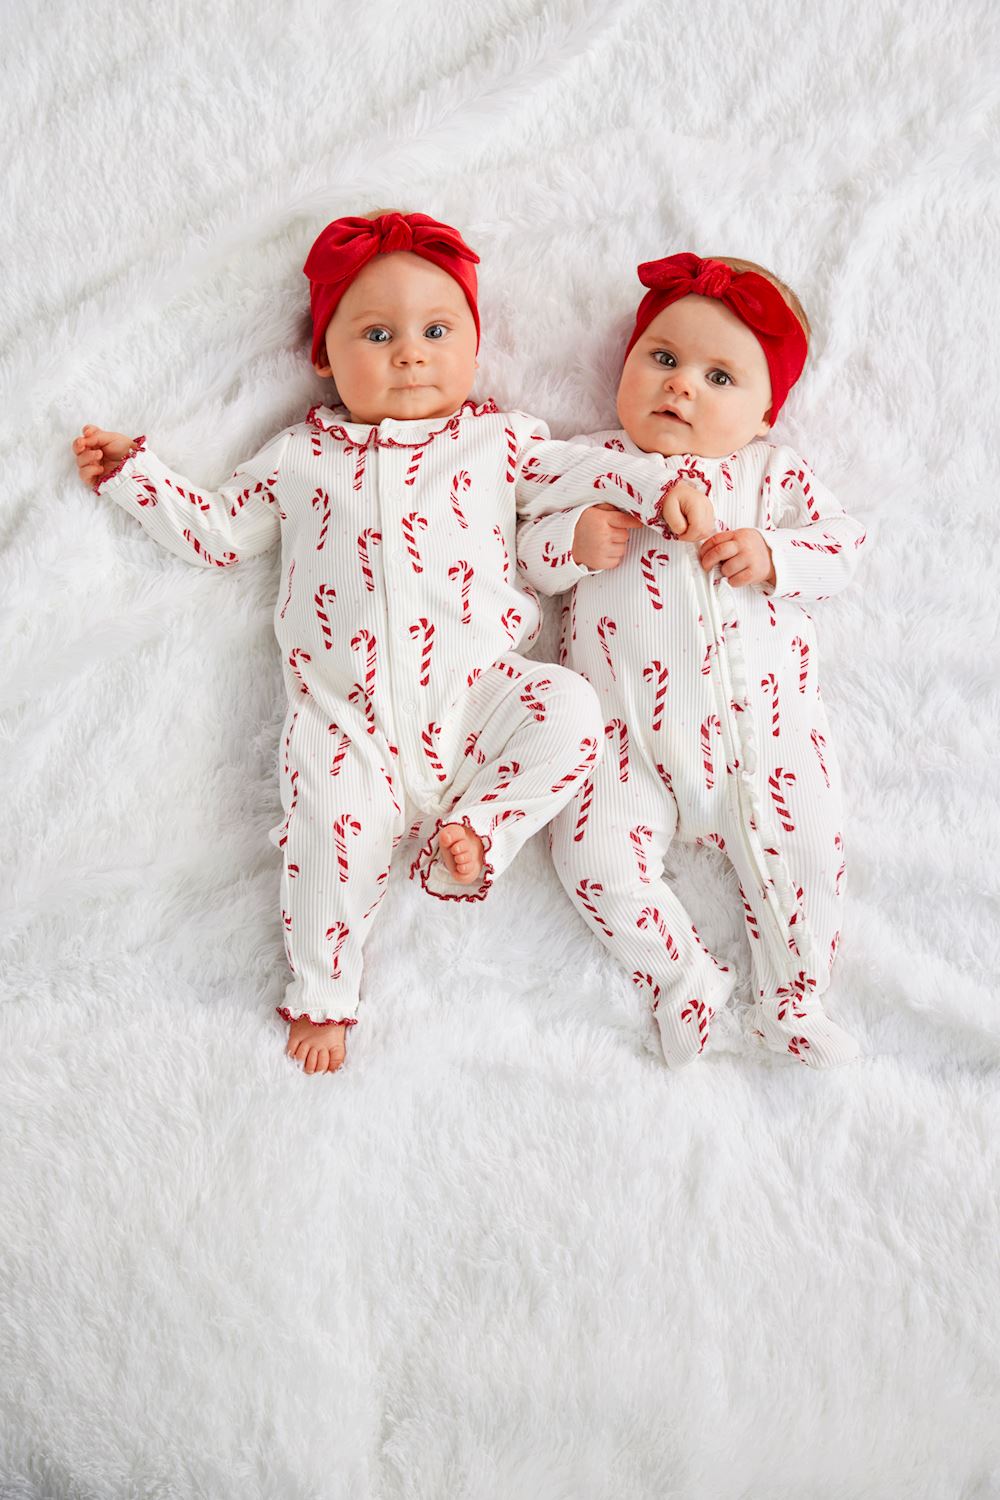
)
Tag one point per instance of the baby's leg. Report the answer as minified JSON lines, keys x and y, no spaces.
{"x":608,"y":847}
{"x":527,"y":735}
{"x":337,"y":837}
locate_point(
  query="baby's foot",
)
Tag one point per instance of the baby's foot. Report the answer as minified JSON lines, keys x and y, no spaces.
{"x":320,"y":1047}
{"x":683,"y":1028}
{"x":462,"y":852}
{"x":812,"y":1039}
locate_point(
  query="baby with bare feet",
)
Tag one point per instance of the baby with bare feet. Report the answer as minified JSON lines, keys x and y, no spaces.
{"x":411,"y":714}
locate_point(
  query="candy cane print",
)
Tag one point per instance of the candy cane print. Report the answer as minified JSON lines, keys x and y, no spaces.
{"x":796,"y":914}
{"x":793,"y":477}
{"x":343,"y":745}
{"x":798,"y":1045}
{"x":392,"y":793}
{"x":341,"y":827}
{"x":802,"y":647}
{"x":368,"y":538}
{"x":380,"y":892}
{"x":423,"y":631}
{"x":712,"y":722}
{"x":652,"y":558}
{"x":778,"y":777}
{"x":770,"y":684}
{"x":838,"y":844}
{"x":588,"y":749}
{"x":583,"y":815}
{"x":472,"y":748}
{"x":553,"y":559}
{"x":585,"y":892}
{"x":606,"y":627}
{"x":511,"y":621}
{"x":506,"y":815}
{"x":291,"y":575}
{"x":819,"y":745}
{"x":225,"y":561}
{"x":636,"y":837}
{"x":149,"y":496}
{"x":829,"y":545}
{"x":659,"y":675}
{"x":615,"y":481}
{"x":338,"y":935}
{"x":530,"y":472}
{"x":834,"y":945}
{"x":428,"y":737}
{"x":358,"y":695}
{"x":713,"y":838}
{"x":507,"y":670}
{"x":324,"y":592}
{"x":511,"y":455}
{"x":321,"y":501}
{"x":460,"y":483}
{"x":299,"y":654}
{"x":647,"y":981}
{"x":649,"y":918}
{"x":315,"y":443}
{"x":464,"y":573}
{"x":473,"y":676}
{"x":698,"y":1011}
{"x":723,"y":968}
{"x":665,"y":777}
{"x":789,"y":997}
{"x":283,"y":838}
{"x":530,"y":697}
{"x":288,"y":738}
{"x":192,"y":496}
{"x":772,"y":618}
{"x":411,"y":472}
{"x":365,"y":638}
{"x":359,"y":468}
{"x":411,"y":525}
{"x":506,"y":775}
{"x":506,"y":555}
{"x":286,"y":919}
{"x":619,"y":728}
{"x":616,"y":444}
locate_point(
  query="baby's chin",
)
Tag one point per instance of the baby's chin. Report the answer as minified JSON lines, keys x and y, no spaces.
{"x":650,"y":440}
{"x":411,"y":406}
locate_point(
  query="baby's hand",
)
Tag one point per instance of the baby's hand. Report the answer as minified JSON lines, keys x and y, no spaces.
{"x":688,"y":512}
{"x":743,"y":555}
{"x":99,"y":452}
{"x":601,"y":536}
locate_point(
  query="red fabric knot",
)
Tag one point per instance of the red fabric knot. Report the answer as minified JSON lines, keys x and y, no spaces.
{"x":396,"y":233}
{"x":712,"y":280}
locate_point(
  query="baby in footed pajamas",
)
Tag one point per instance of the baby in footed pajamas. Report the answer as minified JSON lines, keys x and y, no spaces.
{"x":704,"y":659}
{"x":411,"y":712}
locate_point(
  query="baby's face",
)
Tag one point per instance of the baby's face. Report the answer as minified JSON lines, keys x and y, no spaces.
{"x":402,"y":342}
{"x":696,"y":381}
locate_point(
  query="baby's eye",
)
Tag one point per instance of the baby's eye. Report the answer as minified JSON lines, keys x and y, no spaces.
{"x":723,"y":378}
{"x":435,"y":331}
{"x":377,"y":335}
{"x":663,"y":358}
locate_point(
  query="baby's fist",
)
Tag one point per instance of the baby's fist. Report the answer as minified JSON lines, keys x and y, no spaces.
{"x":688,"y":512}
{"x":98,"y":453}
{"x":601,"y":536}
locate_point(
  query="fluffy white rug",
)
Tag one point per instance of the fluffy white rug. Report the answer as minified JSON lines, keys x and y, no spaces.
{"x":504,"y":1254}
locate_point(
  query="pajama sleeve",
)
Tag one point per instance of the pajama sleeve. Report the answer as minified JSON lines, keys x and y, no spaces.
{"x":545,"y":551}
{"x":210,"y":528}
{"x":814,"y":543}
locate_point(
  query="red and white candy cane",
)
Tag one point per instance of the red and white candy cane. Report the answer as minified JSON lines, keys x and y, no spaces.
{"x":646,"y":981}
{"x":369,"y":538}
{"x":615,"y":481}
{"x":588,"y":749}
{"x":286,"y":919}
{"x":553,"y":559}
{"x":323,"y":593}
{"x":392,"y":790}
{"x":225,"y":561}
{"x":789,"y":997}
{"x":342,"y":826}
{"x":503,"y":547}
{"x":337,"y":935}
{"x":665,"y":777}
{"x":722,"y":968}
{"x":697,"y":1011}
{"x":149,"y":496}
{"x":713,"y":838}
{"x":191,"y":495}
{"x":460,"y":485}
{"x":653,"y":558}
{"x":472,"y":748}
{"x":583,"y":814}
{"x":423,"y":630}
{"x":618,"y":729}
{"x":778,"y":779}
{"x":316,"y":444}
{"x":321,"y":502}
{"x":819,"y":745}
{"x":505,"y":775}
{"x":428,"y":736}
{"x":379,"y":893}
{"x":464,"y":573}
{"x":531,"y":697}
{"x":798,"y":1045}
{"x":770,"y":685}
{"x":605,"y":627}
{"x":343,"y":745}
{"x":411,"y":473}
{"x":794,"y":918}
{"x":359,"y":468}
{"x":708,"y":725}
{"x":793,"y":478}
{"x":772,"y":617}
{"x":639,"y":835}
{"x":359,"y":695}
{"x":291,"y":575}
{"x":511,"y":455}
{"x":834,"y":945}
{"x":506,"y":815}
{"x":649,"y":919}
{"x":297,"y":654}
{"x":511,"y":622}
{"x":659,"y":675}
{"x":802,"y":647}
{"x":531,"y":472}
{"x":288,"y":738}
{"x":411,"y":525}
{"x":706,"y":665}
{"x":366,"y":639}
{"x":585,"y":892}
{"x":838,"y":844}
{"x":283,"y":836}
{"x":828,"y":545}
{"x":507,"y":670}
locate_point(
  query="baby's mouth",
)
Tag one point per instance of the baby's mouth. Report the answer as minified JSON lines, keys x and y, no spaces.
{"x":666,"y":411}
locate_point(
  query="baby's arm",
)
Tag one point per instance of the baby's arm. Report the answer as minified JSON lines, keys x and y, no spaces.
{"x":814,"y":542}
{"x":555,"y":551}
{"x":211,"y":528}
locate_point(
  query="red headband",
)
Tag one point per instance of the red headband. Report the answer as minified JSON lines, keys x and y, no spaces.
{"x":347,"y":245}
{"x":755,"y":301}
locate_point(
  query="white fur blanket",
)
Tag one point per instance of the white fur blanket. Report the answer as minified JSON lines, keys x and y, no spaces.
{"x":504,"y":1255}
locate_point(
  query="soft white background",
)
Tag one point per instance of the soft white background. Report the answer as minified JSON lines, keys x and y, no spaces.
{"x":504,"y":1255}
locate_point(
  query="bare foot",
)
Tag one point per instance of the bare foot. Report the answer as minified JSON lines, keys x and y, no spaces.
{"x":462,"y":852}
{"x":321,"y":1049}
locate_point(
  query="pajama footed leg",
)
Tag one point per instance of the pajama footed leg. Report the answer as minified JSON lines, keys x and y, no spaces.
{"x":805,"y":1033}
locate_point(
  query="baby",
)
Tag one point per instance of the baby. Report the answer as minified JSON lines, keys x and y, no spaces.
{"x":705,"y":662}
{"x":411,"y":712}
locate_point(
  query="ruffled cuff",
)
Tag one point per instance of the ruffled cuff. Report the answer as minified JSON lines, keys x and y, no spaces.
{"x":286,"y":1015}
{"x":138,"y":446}
{"x":429,"y":868}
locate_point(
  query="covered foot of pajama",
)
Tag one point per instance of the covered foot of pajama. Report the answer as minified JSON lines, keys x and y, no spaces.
{"x":812,"y":1038}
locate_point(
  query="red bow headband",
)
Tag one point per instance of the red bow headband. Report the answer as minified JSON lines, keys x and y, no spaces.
{"x":347,"y":245}
{"x":755,"y":301}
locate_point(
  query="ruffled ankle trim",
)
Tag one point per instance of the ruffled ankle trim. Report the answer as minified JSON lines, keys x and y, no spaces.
{"x":138,"y":444}
{"x":286,"y":1015}
{"x":424,"y":862}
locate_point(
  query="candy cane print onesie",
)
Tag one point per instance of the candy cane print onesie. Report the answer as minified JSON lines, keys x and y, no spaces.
{"x":399,"y":619}
{"x":716,"y":734}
